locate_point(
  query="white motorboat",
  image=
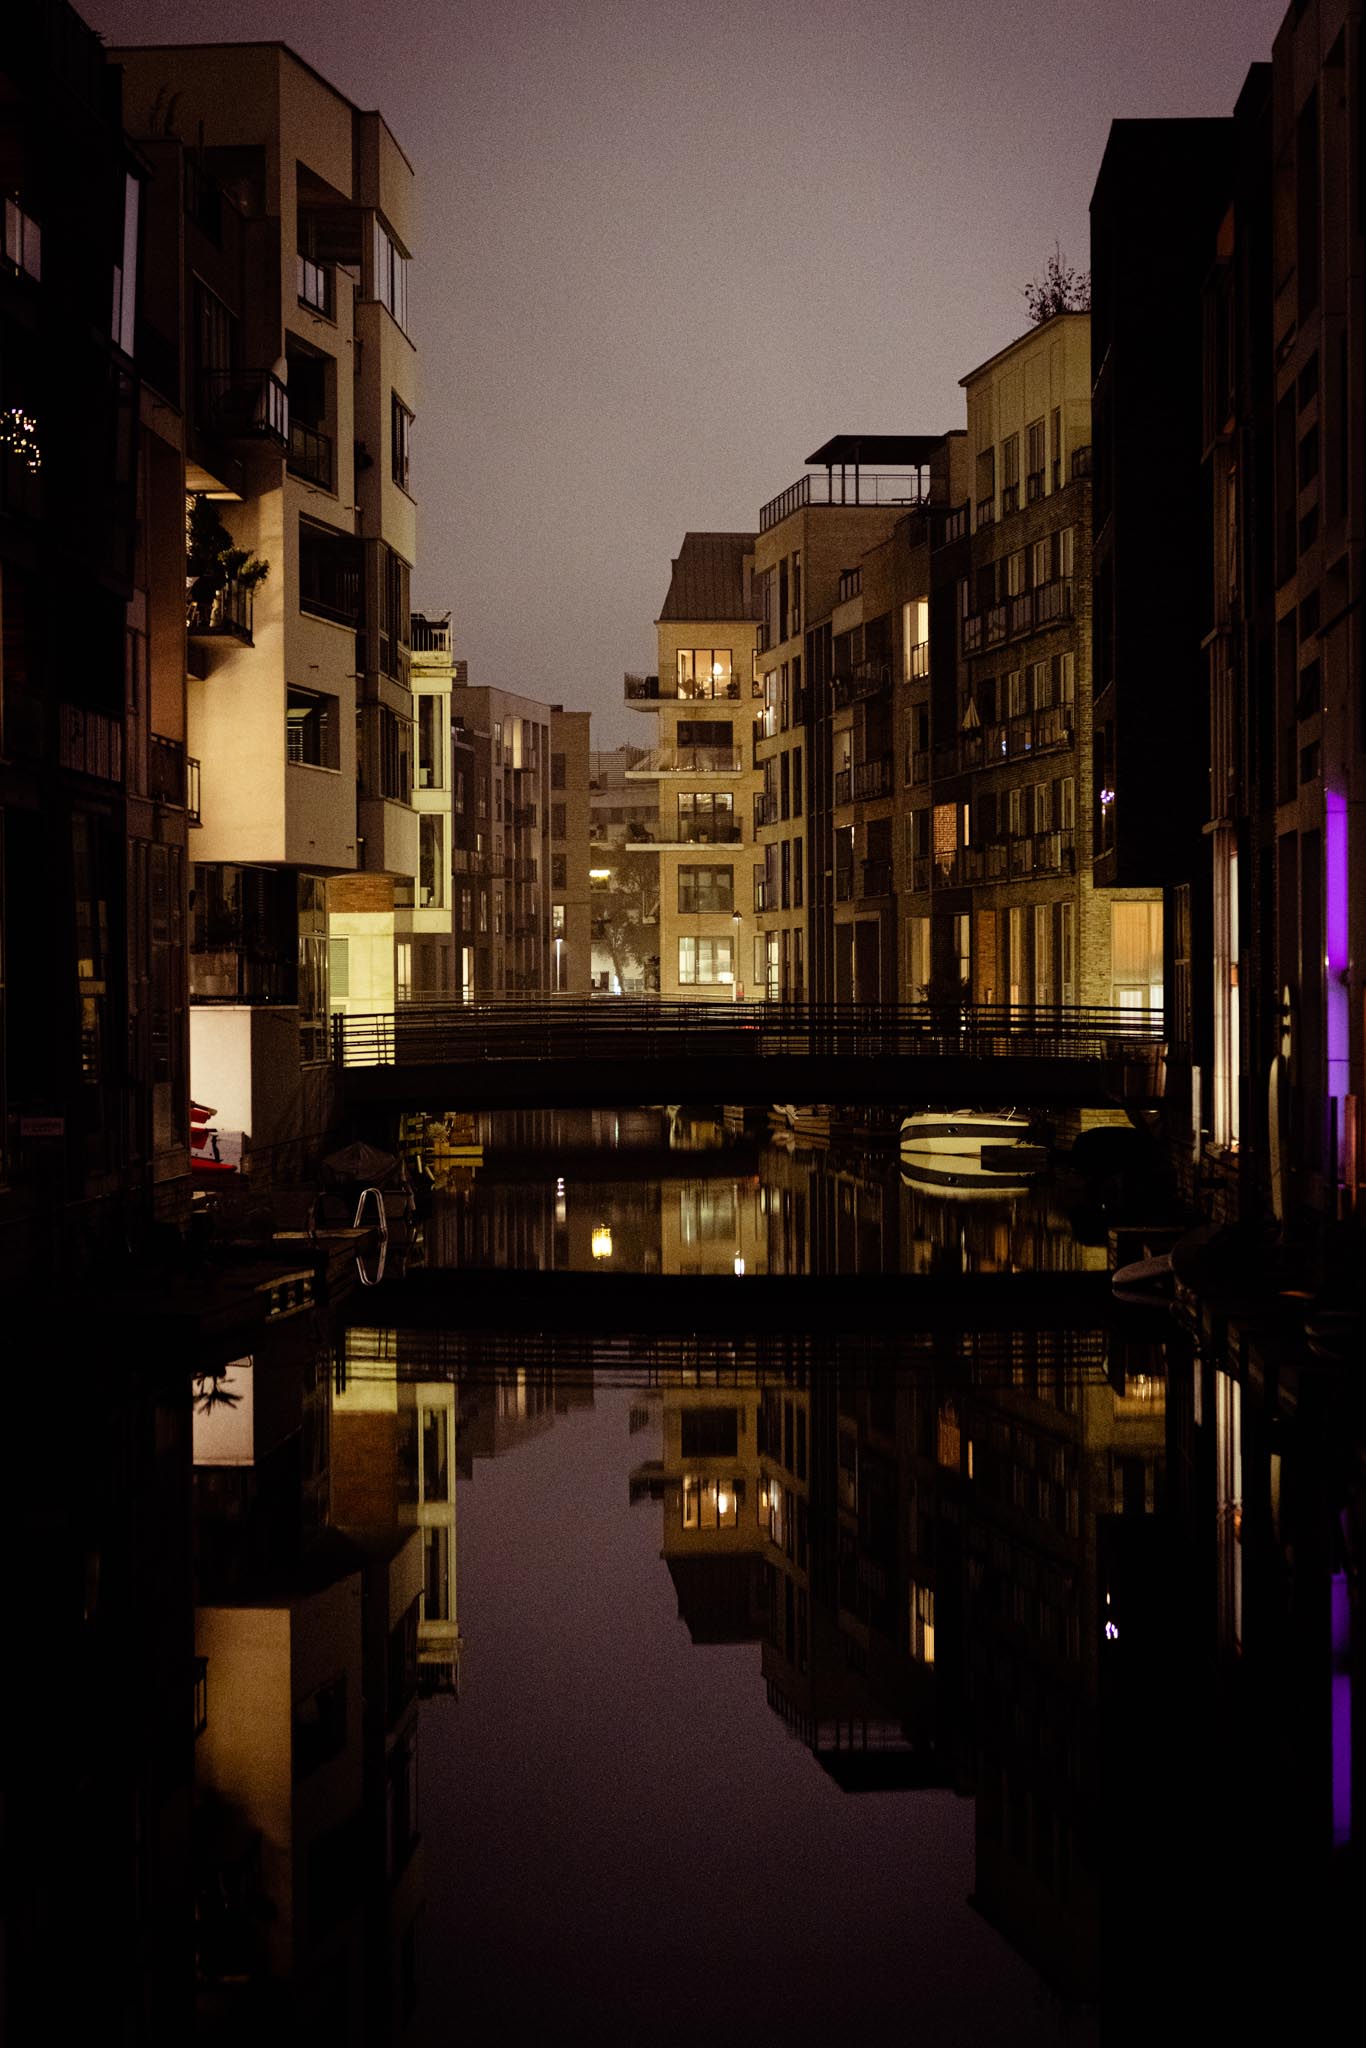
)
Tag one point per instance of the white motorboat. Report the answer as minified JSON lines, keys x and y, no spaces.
{"x":962,"y":1132}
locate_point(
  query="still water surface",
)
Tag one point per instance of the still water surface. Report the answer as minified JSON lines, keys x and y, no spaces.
{"x":905,"y":1683}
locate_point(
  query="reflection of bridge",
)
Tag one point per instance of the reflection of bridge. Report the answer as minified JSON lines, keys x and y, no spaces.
{"x":902,"y":1308}
{"x":565,"y":1052}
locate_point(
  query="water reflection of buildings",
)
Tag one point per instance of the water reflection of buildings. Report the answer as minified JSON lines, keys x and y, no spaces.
{"x":308,"y":1861}
{"x":707,"y":1480}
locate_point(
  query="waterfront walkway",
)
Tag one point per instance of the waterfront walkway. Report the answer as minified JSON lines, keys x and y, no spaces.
{"x":570,"y":1052}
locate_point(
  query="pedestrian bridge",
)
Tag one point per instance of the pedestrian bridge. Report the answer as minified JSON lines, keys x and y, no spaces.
{"x":575,"y":1053}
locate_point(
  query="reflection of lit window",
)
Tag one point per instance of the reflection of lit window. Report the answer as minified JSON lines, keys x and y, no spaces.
{"x":602,"y":1242}
{"x":771,"y":1511}
{"x":922,"y":1623}
{"x":950,"y":1444}
{"x":711,"y":1503}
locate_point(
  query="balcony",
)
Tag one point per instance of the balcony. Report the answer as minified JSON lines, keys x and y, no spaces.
{"x":682,"y":689}
{"x":920,"y":767}
{"x":876,"y":878}
{"x":994,"y":624}
{"x":316,"y":289}
{"x":523,"y":814}
{"x":244,"y":405}
{"x":219,"y":614}
{"x":920,"y":872}
{"x":844,"y":779}
{"x":430,"y":636}
{"x":844,"y":885}
{"x":1053,"y":602}
{"x":872,"y":778}
{"x":698,"y":832}
{"x":310,"y":455}
{"x":192,"y":811}
{"x":986,"y":512}
{"x":851,"y":584}
{"x":674,"y":760}
{"x":1020,"y":613}
{"x":864,"y":679}
{"x":1038,"y":732}
{"x":1044,"y":853}
{"x":920,"y":661}
{"x":765,"y":808}
{"x":166,"y":772}
{"x":845,"y":487}
{"x":956,"y":525}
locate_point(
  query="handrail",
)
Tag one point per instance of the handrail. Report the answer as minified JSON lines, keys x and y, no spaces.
{"x":549,"y":1027}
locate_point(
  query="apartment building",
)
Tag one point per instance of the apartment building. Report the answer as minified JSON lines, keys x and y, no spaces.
{"x":571,"y":832}
{"x":300,"y":378}
{"x":1159,"y":195}
{"x":821,"y":659}
{"x":701,"y":768}
{"x":503,"y":898}
{"x":1014,"y":915}
{"x":93,"y":1110}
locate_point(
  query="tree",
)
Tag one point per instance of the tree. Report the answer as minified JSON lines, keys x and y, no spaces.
{"x":626,"y":912}
{"x":1060,"y":289}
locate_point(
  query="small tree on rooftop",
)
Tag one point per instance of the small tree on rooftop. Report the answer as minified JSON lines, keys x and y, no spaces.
{"x":1058,"y":289}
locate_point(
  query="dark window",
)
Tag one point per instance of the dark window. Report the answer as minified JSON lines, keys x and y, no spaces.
{"x":557,"y":771}
{"x":557,"y":871}
{"x":705,"y":890}
{"x":401,"y":441}
{"x":329,"y":573}
{"x":1307,"y":205}
{"x":557,"y":830}
{"x":312,"y":729}
{"x":710,"y":1432}
{"x":394,"y":612}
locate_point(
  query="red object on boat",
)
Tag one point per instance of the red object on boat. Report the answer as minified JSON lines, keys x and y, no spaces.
{"x":209,"y":1169}
{"x":199,"y":1114}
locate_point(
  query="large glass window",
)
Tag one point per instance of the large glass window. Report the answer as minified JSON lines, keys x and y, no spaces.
{"x":389,"y":276}
{"x":431,"y":865}
{"x":312,"y":729}
{"x":706,"y":672}
{"x":711,"y":1503}
{"x":431,"y":753}
{"x":705,"y":962}
{"x":707,"y":818}
{"x":400,"y":442}
{"x":705,"y":890}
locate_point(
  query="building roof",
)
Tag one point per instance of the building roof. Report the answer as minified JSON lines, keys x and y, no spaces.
{"x":1031,"y":334}
{"x":709,"y":579}
{"x":849,"y":449}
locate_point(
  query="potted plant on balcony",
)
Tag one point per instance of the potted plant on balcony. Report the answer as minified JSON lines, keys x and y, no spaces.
{"x":214,"y":563}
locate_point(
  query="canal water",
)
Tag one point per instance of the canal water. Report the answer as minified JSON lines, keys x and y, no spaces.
{"x":905,"y":1683}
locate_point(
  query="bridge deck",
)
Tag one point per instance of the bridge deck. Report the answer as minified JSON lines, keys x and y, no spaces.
{"x":568,"y":1053}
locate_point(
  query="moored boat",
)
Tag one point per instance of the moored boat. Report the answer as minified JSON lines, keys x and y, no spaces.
{"x":963,"y":1132}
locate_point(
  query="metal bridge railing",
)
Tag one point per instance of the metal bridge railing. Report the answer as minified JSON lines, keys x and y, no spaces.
{"x":566,"y":1028}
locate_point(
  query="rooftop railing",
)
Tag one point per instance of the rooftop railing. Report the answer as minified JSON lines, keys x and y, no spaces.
{"x":683,"y":689}
{"x":850,"y":487}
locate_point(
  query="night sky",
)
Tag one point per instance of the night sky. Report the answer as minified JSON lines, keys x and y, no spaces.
{"x":666,"y":251}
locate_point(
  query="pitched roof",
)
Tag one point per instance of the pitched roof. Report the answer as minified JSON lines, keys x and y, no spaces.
{"x":709,"y":580}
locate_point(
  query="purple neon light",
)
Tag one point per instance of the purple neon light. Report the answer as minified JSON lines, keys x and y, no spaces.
{"x":1340,"y":1633}
{"x":1335,"y":880}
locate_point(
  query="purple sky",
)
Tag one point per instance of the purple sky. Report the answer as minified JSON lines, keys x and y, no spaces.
{"x":667,"y":250}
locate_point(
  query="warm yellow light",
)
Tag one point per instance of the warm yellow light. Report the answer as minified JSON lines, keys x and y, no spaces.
{"x":739,"y":1263}
{"x":599,"y":874}
{"x":723,"y":1503}
{"x":602,"y":1242}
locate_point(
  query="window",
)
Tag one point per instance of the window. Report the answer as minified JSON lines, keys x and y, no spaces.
{"x":706,"y":672}
{"x":557,"y":871}
{"x":1010,"y":473}
{"x":400,"y":441}
{"x":710,"y":1432}
{"x":557,"y":926}
{"x":431,"y":760}
{"x":915,"y":633}
{"x":329,"y":573}
{"x":393,"y":762}
{"x":706,"y":819}
{"x":711,"y":1503}
{"x":557,"y":771}
{"x":705,"y":891}
{"x":431,"y":892}
{"x":312,"y":729}
{"x":394,"y":612}
{"x":797,"y":874}
{"x":389,"y":276}
{"x":1034,"y":459}
{"x":557,"y":827}
{"x":704,"y":962}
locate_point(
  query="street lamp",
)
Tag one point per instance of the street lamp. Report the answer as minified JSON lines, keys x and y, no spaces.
{"x":559,"y":967}
{"x":735,"y":957}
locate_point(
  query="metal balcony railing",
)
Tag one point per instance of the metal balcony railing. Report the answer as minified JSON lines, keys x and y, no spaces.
{"x":864,"y":679}
{"x":310,"y":454}
{"x":429,"y":635}
{"x":876,"y":878}
{"x":847,"y":487}
{"x":244,"y":405}
{"x":223,"y":614}
{"x":844,"y":781}
{"x":192,"y":811}
{"x":706,"y":689}
{"x":872,"y":778}
{"x":676,"y":760}
{"x":920,"y":660}
{"x":166,"y":772}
